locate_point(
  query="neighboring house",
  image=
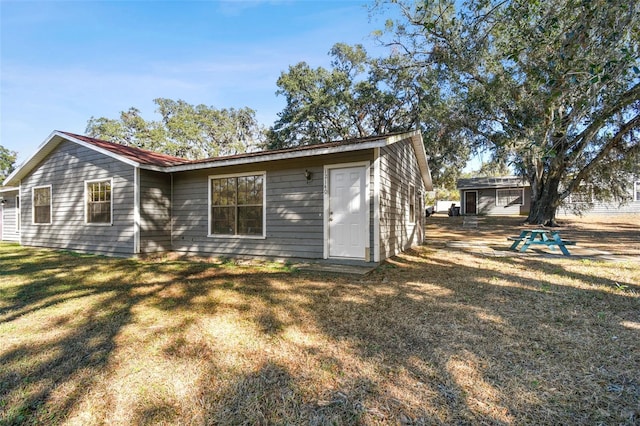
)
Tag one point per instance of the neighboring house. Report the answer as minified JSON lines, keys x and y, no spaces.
{"x":358,"y":199}
{"x":583,"y":200}
{"x":9,"y":214}
{"x":506,"y":195}
{"x":510,"y":195}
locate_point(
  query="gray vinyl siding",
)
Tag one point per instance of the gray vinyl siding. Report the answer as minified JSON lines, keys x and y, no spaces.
{"x":294,"y":210}
{"x":631,"y":206}
{"x":487,"y":203}
{"x":66,"y":169}
{"x":155,"y":211}
{"x":9,"y":231}
{"x":399,"y":169}
{"x":605,"y":209}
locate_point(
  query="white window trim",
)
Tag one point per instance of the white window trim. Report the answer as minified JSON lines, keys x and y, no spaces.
{"x":636,"y":190}
{"x":86,"y":210}
{"x":264,"y":206}
{"x":33,"y":205}
{"x":18,"y":208}
{"x":510,"y":204}
{"x":411,"y":220}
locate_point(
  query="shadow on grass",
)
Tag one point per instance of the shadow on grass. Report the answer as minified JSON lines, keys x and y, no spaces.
{"x":533,"y":349}
{"x":607,"y":233}
{"x":43,"y":380}
{"x":446,"y":342}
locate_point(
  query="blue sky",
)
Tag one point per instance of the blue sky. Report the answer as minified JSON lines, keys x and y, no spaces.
{"x":62,"y":62}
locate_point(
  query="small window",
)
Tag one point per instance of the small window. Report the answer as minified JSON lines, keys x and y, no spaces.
{"x":41,"y":197}
{"x":636,"y":190}
{"x":98,"y":196}
{"x":237,"y":205}
{"x":412,"y":203}
{"x":18,"y":218}
{"x":509,"y":197}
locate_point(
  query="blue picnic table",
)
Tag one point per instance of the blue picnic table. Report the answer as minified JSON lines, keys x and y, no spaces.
{"x":545,"y":237}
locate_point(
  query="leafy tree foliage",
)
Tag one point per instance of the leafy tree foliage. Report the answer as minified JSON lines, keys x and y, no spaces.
{"x":184,"y":130}
{"x":344,"y":102}
{"x":7,"y":162}
{"x":551,"y":86}
{"x":493,"y":169}
{"x":361,"y":96}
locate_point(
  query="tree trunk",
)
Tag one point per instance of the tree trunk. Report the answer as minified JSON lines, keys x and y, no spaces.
{"x":543,"y":211}
{"x":545,"y":200}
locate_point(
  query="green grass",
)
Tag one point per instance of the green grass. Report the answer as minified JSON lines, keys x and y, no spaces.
{"x":433,"y":337}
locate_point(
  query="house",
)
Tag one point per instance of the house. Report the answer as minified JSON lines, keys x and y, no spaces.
{"x":356,"y":200}
{"x":511,"y":195}
{"x":506,"y":195}
{"x":584,"y":201}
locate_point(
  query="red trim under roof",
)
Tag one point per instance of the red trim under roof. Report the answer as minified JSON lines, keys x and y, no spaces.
{"x":138,"y":155}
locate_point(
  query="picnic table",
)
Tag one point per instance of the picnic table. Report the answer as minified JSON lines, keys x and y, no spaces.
{"x":545,"y":237}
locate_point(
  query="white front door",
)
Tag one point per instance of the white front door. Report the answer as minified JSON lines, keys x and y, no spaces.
{"x":347,"y":212}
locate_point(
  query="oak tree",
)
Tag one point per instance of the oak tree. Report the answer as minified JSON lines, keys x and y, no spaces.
{"x":361,"y":96}
{"x":552,"y":87}
{"x":7,"y":162}
{"x":184,"y":130}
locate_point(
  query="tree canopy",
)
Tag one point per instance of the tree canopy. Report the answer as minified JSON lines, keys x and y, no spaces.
{"x":7,"y":162}
{"x":184,"y":130}
{"x":552,"y":87}
{"x":362,"y":96}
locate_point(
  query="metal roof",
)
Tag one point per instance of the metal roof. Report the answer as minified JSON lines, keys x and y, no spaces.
{"x":492,"y":182}
{"x":139,"y":155}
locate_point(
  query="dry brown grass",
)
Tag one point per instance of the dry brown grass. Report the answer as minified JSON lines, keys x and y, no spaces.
{"x":435,"y":336}
{"x":614,"y":234}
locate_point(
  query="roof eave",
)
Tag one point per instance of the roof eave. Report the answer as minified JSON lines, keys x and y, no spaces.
{"x":319,"y":150}
{"x":43,"y":149}
{"x":522,"y":185}
{"x":56,"y":137}
{"x":46,"y":147}
{"x":422,"y":158}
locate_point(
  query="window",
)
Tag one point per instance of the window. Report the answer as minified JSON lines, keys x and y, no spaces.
{"x":98,"y":196}
{"x":18,"y":219}
{"x":41,"y":198}
{"x":237,"y":205}
{"x":508,"y":197}
{"x":412,"y":203}
{"x":636,"y":190}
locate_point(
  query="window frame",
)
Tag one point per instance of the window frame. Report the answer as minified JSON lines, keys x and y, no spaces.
{"x":511,"y":203}
{"x":33,"y":204}
{"x":412,"y":203}
{"x":18,"y":214}
{"x":211,"y":178}
{"x":86,"y":202}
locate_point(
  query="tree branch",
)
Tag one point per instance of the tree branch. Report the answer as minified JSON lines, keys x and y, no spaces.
{"x":585,"y":137}
{"x":629,"y":126}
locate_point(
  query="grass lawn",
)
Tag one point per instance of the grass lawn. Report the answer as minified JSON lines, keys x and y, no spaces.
{"x":434,"y":336}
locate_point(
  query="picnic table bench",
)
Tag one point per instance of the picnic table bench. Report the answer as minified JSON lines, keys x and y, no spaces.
{"x":545,"y":237}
